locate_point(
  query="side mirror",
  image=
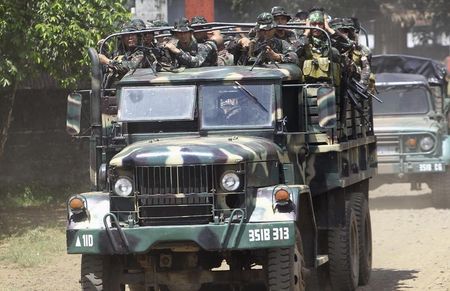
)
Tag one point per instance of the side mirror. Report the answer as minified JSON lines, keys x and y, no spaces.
{"x":73,"y":120}
{"x":326,"y":103}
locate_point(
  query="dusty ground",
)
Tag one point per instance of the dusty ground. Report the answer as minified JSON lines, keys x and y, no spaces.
{"x":411,"y":247}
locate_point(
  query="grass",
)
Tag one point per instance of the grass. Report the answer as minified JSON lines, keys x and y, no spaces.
{"x":34,"y":195}
{"x":33,"y":248}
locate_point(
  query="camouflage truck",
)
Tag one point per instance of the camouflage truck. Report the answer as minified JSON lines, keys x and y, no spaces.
{"x":411,"y":125}
{"x":248,"y":166}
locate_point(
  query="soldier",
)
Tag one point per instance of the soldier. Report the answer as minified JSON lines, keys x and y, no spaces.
{"x":185,"y":49}
{"x":266,"y":47}
{"x":361,"y":55}
{"x":148,"y":38}
{"x":299,"y":19}
{"x":200,"y":36}
{"x":211,"y":38}
{"x":127,"y":57}
{"x":314,"y":51}
{"x":282,"y":18}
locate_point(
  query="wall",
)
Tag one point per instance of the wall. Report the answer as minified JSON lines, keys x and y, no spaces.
{"x":38,"y":150}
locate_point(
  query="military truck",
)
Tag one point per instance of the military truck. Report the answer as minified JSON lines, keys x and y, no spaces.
{"x":411,"y":124}
{"x":248,"y":166}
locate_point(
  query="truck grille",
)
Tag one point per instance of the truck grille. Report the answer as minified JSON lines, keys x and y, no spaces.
{"x":175,"y":179}
{"x":392,"y":147}
{"x":175,"y":194}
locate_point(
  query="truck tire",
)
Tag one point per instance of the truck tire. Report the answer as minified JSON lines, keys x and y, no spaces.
{"x":440,"y":185}
{"x":97,"y":274}
{"x":360,"y":206}
{"x":343,"y":253}
{"x":286,"y":267}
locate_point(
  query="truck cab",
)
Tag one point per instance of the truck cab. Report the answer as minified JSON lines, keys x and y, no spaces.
{"x":410,"y":124}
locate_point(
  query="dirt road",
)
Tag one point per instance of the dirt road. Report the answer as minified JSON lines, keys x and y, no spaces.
{"x":411,"y":242}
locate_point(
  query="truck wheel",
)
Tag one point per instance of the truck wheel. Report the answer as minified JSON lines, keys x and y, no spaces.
{"x":97,"y":274}
{"x":360,"y":206}
{"x":285,"y":267}
{"x":343,"y":253}
{"x":439,"y":191}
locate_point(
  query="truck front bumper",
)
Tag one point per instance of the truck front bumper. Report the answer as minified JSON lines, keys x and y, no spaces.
{"x":210,"y":237}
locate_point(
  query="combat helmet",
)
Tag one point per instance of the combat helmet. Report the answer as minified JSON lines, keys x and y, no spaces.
{"x":129,"y":27}
{"x":279,"y":11}
{"x":265,"y":21}
{"x":159,"y":23}
{"x":316,"y":15}
{"x":138,"y":23}
{"x":337,"y":23}
{"x":181,"y":25}
{"x":199,"y":19}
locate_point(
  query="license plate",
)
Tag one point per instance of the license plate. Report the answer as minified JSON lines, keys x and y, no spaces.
{"x":268,"y":234}
{"x":387,"y":150}
{"x":431,"y":167}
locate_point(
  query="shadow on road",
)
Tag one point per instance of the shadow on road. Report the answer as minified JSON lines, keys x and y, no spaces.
{"x":401,"y":202}
{"x":389,"y":280}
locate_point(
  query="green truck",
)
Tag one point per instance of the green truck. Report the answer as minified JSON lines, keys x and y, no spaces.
{"x":249,"y":166}
{"x":411,"y":124}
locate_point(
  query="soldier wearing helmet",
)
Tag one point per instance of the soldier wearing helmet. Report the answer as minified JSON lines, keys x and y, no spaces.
{"x":128,"y":56}
{"x":358,"y":56}
{"x":314,"y":51}
{"x":281,"y":17}
{"x":266,"y":45}
{"x":185,"y":49}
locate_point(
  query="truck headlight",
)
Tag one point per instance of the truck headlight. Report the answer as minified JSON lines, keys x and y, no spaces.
{"x":230,"y":181}
{"x":123,"y":187}
{"x":426,"y":143}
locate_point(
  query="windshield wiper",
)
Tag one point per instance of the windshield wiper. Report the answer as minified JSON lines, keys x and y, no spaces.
{"x":252,"y":97}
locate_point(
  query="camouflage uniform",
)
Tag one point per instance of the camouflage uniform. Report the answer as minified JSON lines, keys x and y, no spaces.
{"x":314,"y":52}
{"x":209,"y":45}
{"x":265,"y":22}
{"x":126,"y":59}
{"x":284,"y":34}
{"x":357,"y":56}
{"x":194,"y":54}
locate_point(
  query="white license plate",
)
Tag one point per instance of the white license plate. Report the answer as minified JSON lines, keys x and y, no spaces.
{"x":268,"y":234}
{"x":387,"y":150}
{"x":431,"y":168}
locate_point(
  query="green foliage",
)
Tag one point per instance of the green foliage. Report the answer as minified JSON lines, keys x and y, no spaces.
{"x":53,"y":35}
{"x":33,"y":195}
{"x":35,"y":247}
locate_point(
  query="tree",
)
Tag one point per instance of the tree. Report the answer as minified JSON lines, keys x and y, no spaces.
{"x":49,"y":36}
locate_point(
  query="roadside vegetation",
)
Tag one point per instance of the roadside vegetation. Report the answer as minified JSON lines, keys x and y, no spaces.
{"x":33,"y":248}
{"x":32,"y":224}
{"x":34,"y":195}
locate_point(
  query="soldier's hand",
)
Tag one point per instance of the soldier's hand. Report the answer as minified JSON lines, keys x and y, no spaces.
{"x":171,"y":47}
{"x":273,"y":56}
{"x":244,"y":42}
{"x":327,"y":25}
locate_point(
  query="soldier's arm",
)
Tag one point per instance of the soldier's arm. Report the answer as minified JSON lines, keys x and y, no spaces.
{"x":185,"y":58}
{"x":288,"y":53}
{"x":132,"y":63}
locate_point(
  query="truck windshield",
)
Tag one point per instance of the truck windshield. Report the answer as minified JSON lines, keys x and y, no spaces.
{"x":399,"y":100}
{"x":236,"y":106}
{"x":157,"y":103}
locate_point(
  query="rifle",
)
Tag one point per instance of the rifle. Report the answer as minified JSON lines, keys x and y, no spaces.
{"x":355,"y":86}
{"x":262,"y":52}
